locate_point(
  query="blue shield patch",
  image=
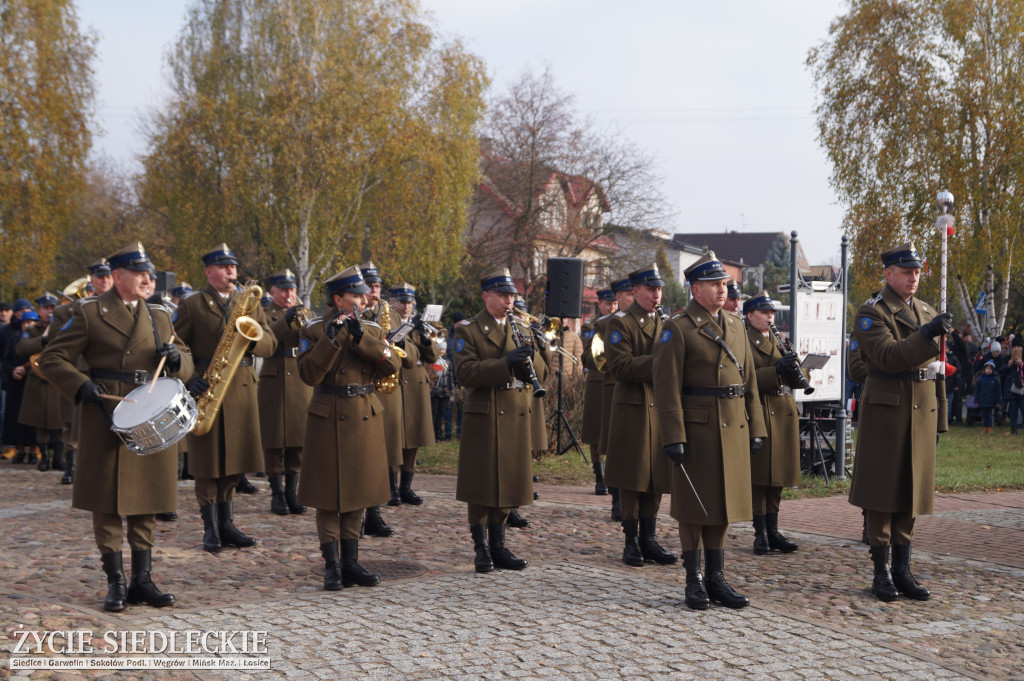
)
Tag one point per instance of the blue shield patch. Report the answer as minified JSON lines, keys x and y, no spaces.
{"x":666,"y":335}
{"x":854,"y":345}
{"x":615,"y":337}
{"x":24,"y":334}
{"x":460,"y":344}
{"x":588,"y":334}
{"x":865,"y":323}
{"x":303,"y":344}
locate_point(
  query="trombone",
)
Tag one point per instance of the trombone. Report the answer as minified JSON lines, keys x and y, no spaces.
{"x":549,"y":327}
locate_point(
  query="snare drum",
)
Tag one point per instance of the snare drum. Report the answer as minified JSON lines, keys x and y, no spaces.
{"x":155,"y":420}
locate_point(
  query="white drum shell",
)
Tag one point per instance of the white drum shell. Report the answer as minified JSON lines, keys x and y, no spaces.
{"x":155,"y":420}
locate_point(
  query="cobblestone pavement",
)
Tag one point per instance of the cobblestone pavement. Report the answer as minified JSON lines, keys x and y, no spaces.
{"x":577,"y":612}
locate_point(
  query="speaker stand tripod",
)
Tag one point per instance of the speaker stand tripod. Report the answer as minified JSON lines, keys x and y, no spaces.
{"x":559,"y":416}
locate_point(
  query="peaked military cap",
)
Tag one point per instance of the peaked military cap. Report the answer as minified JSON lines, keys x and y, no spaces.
{"x":265,"y":300}
{"x":500,"y":281}
{"x":762,"y":301}
{"x":100,"y":268}
{"x":648,"y":276}
{"x":606,"y":294}
{"x":46,"y":299}
{"x":904,"y":255}
{"x":734,"y":290}
{"x":132,"y":257}
{"x":349,"y":280}
{"x":283,"y":279}
{"x":180,"y":290}
{"x":621,"y":285}
{"x":519,"y":303}
{"x":404,"y":292}
{"x":219,"y":255}
{"x":707,"y":268}
{"x":370,"y":273}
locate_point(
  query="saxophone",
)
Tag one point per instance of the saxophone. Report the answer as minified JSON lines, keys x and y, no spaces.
{"x":239,"y":331}
{"x":386,"y":384}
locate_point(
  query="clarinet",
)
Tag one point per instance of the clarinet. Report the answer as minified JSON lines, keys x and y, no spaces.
{"x":787,"y":349}
{"x":661,"y":313}
{"x":520,"y":340}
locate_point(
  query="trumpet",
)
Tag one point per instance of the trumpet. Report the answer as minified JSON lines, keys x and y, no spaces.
{"x":549,"y":327}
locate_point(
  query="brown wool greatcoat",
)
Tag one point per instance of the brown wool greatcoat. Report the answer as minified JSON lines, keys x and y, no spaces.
{"x":59,"y":319}
{"x":715,"y":430}
{"x":495,"y":468}
{"x":110,"y":478}
{"x":777,"y":463}
{"x":233,"y":445}
{"x":282,"y":396}
{"x":635,"y":460}
{"x":344,"y":461}
{"x":894,"y":470}
{"x":590,"y":433}
{"x":394,"y":410}
{"x":40,"y":407}
{"x":418,"y":423}
{"x":607,"y":387}
{"x":539,"y":416}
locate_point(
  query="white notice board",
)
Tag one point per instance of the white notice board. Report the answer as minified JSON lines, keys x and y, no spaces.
{"x":819,"y":328}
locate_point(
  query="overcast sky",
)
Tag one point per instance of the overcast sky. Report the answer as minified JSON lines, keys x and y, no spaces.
{"x":717,"y":91}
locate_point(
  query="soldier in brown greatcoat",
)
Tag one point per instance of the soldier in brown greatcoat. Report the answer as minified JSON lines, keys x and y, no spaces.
{"x":380,"y":312}
{"x":705,"y":386}
{"x":283,"y":397}
{"x":593,"y":390}
{"x":345,"y":463}
{"x":66,"y":408}
{"x":232,"y":447}
{"x":122,"y":340}
{"x":636,"y":465}
{"x":495,"y":468}
{"x":902,"y":406}
{"x":623,"y":291}
{"x":417,"y":426}
{"x":777,"y":463}
{"x":40,"y":408}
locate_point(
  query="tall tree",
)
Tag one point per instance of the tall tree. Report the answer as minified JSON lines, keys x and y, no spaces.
{"x":303,"y":132}
{"x":46,"y":101}
{"x":918,"y":96}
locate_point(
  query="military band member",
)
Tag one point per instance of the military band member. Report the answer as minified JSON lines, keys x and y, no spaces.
{"x":635,"y":464}
{"x":777,"y":463}
{"x":179,"y":292}
{"x":61,"y":315}
{"x":40,"y":407}
{"x":283,"y":396}
{"x":705,"y":386}
{"x":394,"y":412}
{"x":495,"y":467}
{"x":593,"y":390}
{"x":415,"y":387}
{"x":122,"y":340}
{"x":902,"y":406}
{"x":232,"y":447}
{"x":623,"y":291}
{"x":732,"y":299}
{"x":345,"y":463}
{"x":538,"y":418}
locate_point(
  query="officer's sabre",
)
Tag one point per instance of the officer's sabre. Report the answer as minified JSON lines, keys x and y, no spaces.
{"x":687,"y":476}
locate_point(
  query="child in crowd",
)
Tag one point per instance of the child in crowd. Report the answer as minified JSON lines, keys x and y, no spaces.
{"x":987,"y":394}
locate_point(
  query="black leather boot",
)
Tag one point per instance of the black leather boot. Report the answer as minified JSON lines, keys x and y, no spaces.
{"x":696,"y":594}
{"x":482,"y":562}
{"x":901,"y":577}
{"x":351,"y":572}
{"x":882,"y":585}
{"x":19,"y":456}
{"x":375,"y":525}
{"x":57,"y":463}
{"x":229,"y":534}
{"x":515,"y":520}
{"x":185,"y":474}
{"x":395,"y":500}
{"x":142,"y":589}
{"x":502,"y":557}
{"x":168,"y":517}
{"x":775,"y":540}
{"x":277,"y":502}
{"x":69,"y":468}
{"x":332,"y":567}
{"x":405,"y":490}
{"x":117,"y":586}
{"x":244,"y":486}
{"x":291,"y":487}
{"x":631,"y":554}
{"x":600,"y":488}
{"x":761,"y":546}
{"x":719,"y":590}
{"x":649,"y":547}
{"x":211,"y":529}
{"x":616,"y":509}
{"x":44,"y":458}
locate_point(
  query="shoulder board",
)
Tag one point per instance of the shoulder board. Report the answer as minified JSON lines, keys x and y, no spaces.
{"x":315,"y":320}
{"x":367,"y":322}
{"x":678,"y":315}
{"x":872,"y":301}
{"x":620,"y":313}
{"x":191,"y":293}
{"x":604,"y":316}
{"x":158,"y":306}
{"x":82,"y":302}
{"x":467,"y":322}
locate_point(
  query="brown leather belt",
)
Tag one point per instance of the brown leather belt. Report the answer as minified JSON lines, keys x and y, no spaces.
{"x":726,"y":391}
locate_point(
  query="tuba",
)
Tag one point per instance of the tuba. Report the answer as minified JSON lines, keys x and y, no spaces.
{"x":239,"y":331}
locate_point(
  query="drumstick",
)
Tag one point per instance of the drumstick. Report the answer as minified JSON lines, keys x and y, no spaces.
{"x":115,"y":397}
{"x":159,"y":368}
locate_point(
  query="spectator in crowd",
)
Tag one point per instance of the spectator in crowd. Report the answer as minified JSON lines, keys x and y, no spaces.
{"x":453,"y":409}
{"x":6,"y":312}
{"x":954,"y":390}
{"x":1013,"y":386}
{"x":987,"y":395}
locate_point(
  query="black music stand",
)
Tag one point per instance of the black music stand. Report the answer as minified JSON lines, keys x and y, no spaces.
{"x":817,"y":442}
{"x":559,"y":416}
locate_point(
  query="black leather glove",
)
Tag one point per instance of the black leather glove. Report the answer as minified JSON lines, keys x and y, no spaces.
{"x":197,"y":386}
{"x":417,"y":323}
{"x":290,"y":313}
{"x":89,"y":392}
{"x":788,"y":365}
{"x":170,"y":351}
{"x":938,"y":325}
{"x":675,"y":452}
{"x":755,"y":444}
{"x":44,"y":340}
{"x":518,"y":357}
{"x":355,"y":328}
